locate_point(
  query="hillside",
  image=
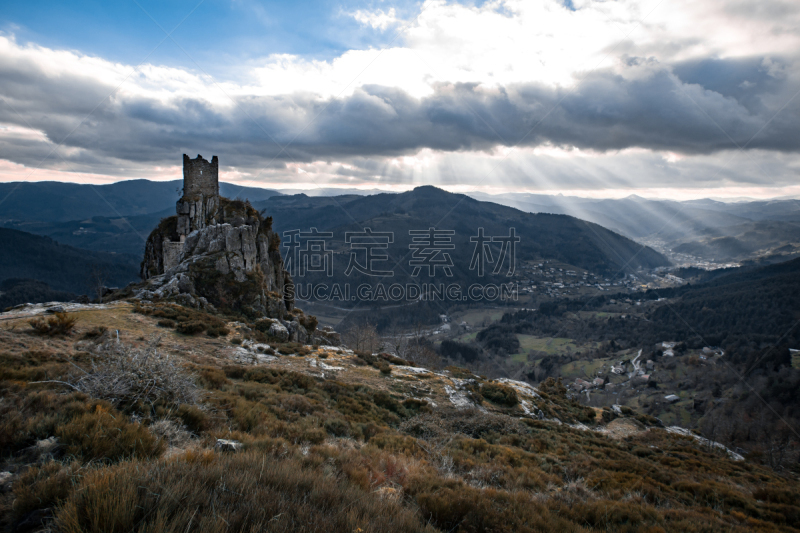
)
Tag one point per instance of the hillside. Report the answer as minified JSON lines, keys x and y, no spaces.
{"x":742,"y":308}
{"x":729,"y":360}
{"x":559,"y":237}
{"x":15,"y":291}
{"x":324,"y":439}
{"x":62,"y":267}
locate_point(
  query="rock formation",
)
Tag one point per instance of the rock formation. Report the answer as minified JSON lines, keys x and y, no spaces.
{"x":217,"y":253}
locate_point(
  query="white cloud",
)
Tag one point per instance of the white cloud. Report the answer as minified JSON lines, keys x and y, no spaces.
{"x":595,"y":67}
{"x":517,"y":41}
{"x":376,"y":19}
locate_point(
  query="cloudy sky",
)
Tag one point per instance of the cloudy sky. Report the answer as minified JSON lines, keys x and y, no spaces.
{"x":662,"y":98}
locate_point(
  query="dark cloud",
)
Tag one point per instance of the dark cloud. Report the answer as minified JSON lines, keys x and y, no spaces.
{"x":696,"y":107}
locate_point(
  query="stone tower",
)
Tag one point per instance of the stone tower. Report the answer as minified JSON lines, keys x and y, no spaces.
{"x":198,"y":208}
{"x":200,"y":177}
{"x":199,"y":205}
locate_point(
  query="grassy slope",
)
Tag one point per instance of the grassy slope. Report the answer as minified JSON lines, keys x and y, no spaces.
{"x":349,"y":450}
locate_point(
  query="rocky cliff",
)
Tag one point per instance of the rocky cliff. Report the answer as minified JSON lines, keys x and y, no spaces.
{"x":233,"y":265}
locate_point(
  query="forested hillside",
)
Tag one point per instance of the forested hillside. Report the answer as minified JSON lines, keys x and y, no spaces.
{"x":62,"y":267}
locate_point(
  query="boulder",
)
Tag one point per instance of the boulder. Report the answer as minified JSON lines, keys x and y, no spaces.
{"x":225,"y":445}
{"x":279,"y":331}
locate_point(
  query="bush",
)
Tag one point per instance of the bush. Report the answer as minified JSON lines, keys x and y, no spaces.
{"x":217,"y":332}
{"x":58,"y":324}
{"x":194,"y":418}
{"x":213,"y":378}
{"x":170,"y":432}
{"x":394,"y":359}
{"x":95,"y":332}
{"x":127,"y":376}
{"x":500,"y":394}
{"x":101,"y":435}
{"x":43,"y":486}
{"x":337,"y":427}
{"x":190,"y":328}
{"x":183,"y":319}
{"x":309,"y":322}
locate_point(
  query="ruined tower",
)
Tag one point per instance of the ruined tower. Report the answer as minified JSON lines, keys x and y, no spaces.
{"x":200,"y":177}
{"x":199,"y":205}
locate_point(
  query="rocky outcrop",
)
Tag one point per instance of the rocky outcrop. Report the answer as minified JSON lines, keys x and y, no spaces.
{"x":221,"y":254}
{"x":233,"y":266}
{"x":196,"y":213}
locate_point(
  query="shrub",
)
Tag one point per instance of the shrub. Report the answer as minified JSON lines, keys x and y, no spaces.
{"x":416,"y":405}
{"x":193,"y":417}
{"x":43,"y":486}
{"x":101,"y":435}
{"x":95,"y":332}
{"x":170,"y":432}
{"x":214,"y":378}
{"x":337,"y":427}
{"x":500,"y":394}
{"x":185,"y":320}
{"x":309,"y":322}
{"x":217,"y":332}
{"x":297,"y":404}
{"x":293,"y":348}
{"x":190,"y":328}
{"x":394,"y":359}
{"x":127,"y":376}
{"x":460,"y":373}
{"x":58,"y":324}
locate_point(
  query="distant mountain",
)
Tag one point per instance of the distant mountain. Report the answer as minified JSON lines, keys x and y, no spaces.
{"x":332,"y":191}
{"x":563,"y":238}
{"x":62,"y":267}
{"x":707,"y":229}
{"x":124,"y":235}
{"x":50,"y":201}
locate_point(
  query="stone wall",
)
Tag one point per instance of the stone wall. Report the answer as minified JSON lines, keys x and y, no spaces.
{"x":197,"y":212}
{"x":200,"y":177}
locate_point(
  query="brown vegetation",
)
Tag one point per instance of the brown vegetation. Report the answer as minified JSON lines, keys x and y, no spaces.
{"x":351,"y":451}
{"x":58,"y":324}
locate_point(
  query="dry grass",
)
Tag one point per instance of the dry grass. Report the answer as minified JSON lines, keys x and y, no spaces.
{"x":353,"y":450}
{"x":246,"y":492}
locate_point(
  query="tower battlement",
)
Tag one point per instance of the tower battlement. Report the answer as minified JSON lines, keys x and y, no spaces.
{"x":200,"y":177}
